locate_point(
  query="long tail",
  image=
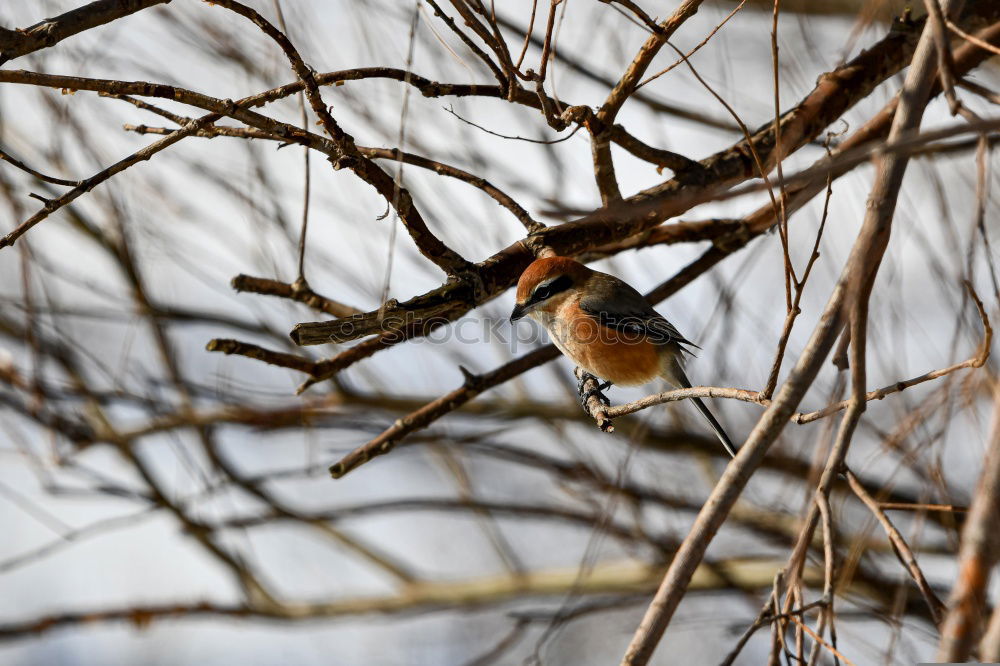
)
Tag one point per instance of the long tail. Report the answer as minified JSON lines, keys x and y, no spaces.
{"x":675,"y":375}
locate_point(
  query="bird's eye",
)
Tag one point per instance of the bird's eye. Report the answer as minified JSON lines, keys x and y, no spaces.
{"x":551,"y":288}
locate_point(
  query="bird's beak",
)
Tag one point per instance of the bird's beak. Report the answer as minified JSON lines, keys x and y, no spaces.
{"x":517,"y":313}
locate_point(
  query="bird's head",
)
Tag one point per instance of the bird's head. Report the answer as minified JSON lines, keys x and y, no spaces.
{"x":546,"y":283}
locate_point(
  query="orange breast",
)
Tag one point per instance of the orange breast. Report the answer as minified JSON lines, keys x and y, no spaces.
{"x":601,"y":351}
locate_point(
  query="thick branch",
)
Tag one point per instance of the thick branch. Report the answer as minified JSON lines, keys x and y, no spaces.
{"x":978,"y":554}
{"x":16,"y":43}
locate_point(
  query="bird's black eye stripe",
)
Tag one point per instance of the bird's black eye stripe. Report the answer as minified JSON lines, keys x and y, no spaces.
{"x":543,"y":291}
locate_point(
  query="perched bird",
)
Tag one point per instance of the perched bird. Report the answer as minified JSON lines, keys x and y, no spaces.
{"x":606,"y":327}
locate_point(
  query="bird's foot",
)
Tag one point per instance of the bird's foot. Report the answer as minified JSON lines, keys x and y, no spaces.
{"x":594,"y":391}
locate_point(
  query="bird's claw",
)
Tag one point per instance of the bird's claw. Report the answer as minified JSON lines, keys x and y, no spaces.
{"x":596,"y":392}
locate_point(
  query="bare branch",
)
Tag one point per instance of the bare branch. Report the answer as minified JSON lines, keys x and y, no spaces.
{"x":899,"y":543}
{"x":978,"y":554}
{"x":37,"y":174}
{"x":52,"y":205}
{"x":16,"y":43}
{"x":296,"y":291}
{"x":430,"y":246}
{"x":471,"y":387}
{"x":268,"y":356}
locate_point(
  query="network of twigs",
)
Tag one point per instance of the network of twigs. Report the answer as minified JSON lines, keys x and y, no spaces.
{"x":52,"y":383}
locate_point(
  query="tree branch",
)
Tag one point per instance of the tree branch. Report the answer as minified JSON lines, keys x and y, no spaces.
{"x":16,"y":43}
{"x":978,"y":554}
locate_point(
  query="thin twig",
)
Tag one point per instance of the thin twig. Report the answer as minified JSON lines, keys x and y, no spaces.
{"x":6,"y":157}
{"x":680,"y":61}
{"x":902,"y":548}
{"x":86,"y":185}
{"x":972,"y":39}
{"x":836,"y":653}
{"x":897,"y":506}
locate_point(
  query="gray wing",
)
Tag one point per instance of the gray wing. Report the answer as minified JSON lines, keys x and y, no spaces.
{"x":630,"y":313}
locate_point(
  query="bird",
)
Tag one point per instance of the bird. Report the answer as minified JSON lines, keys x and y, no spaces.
{"x":606,"y":327}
